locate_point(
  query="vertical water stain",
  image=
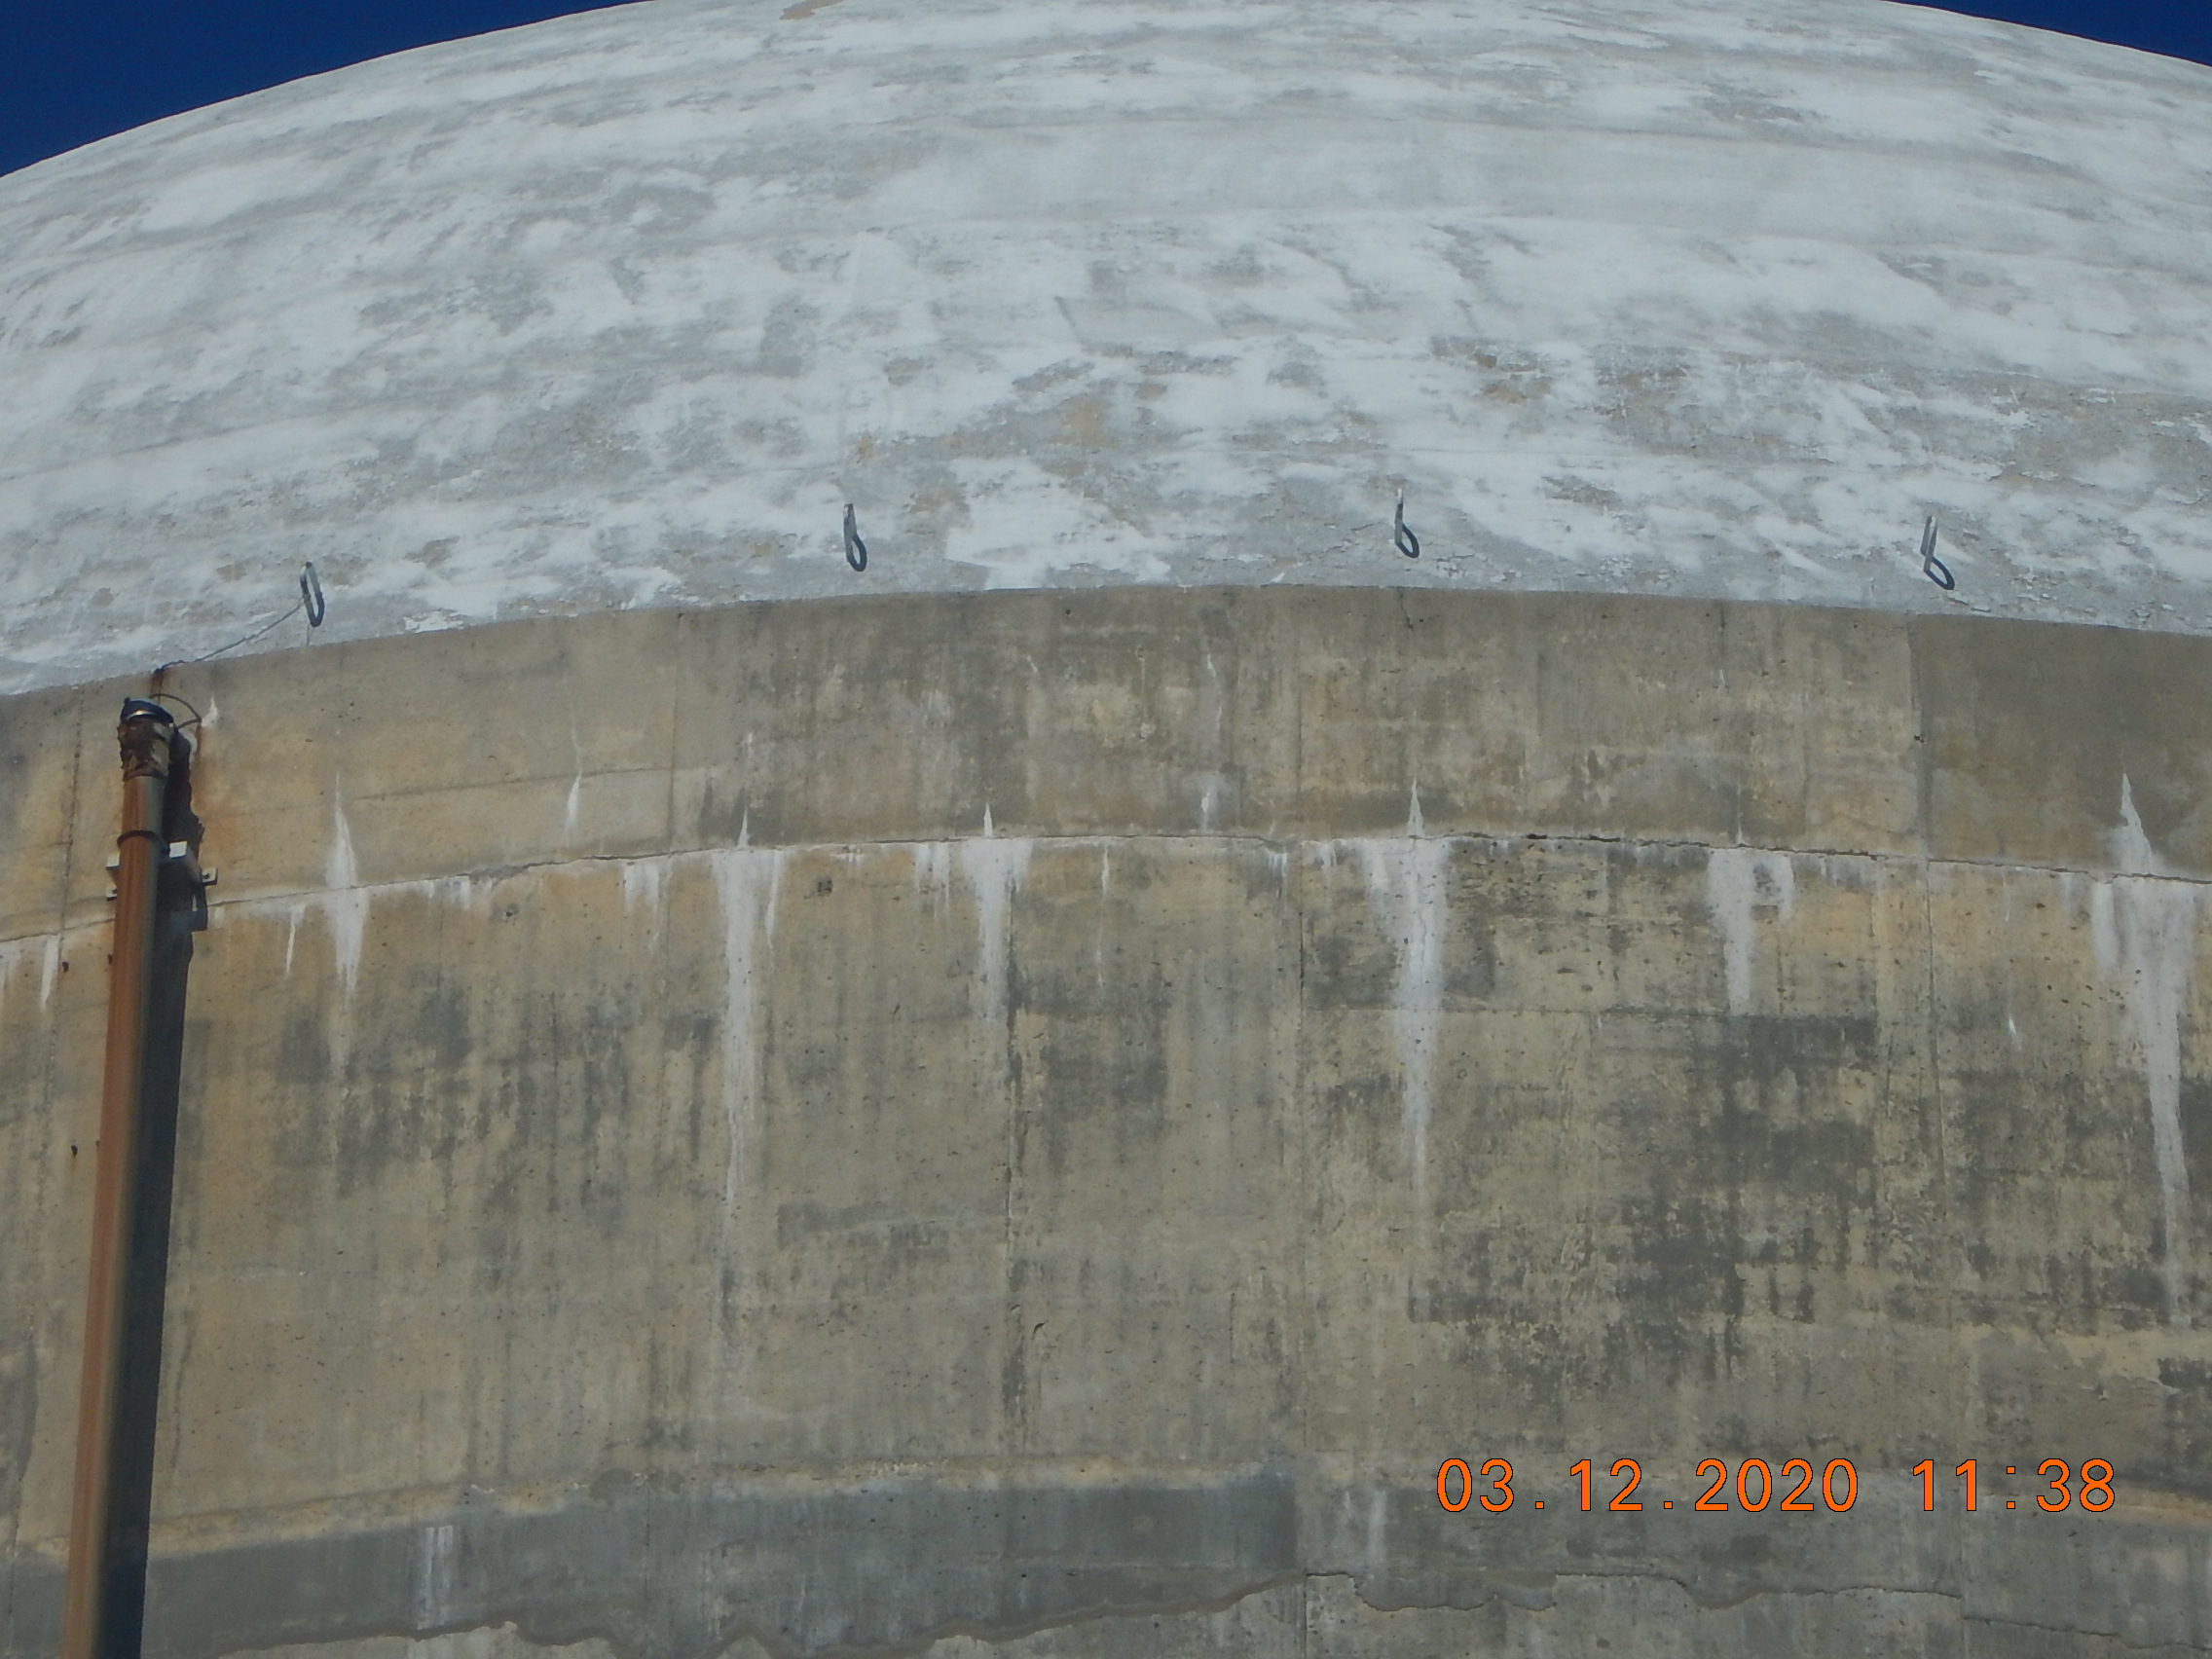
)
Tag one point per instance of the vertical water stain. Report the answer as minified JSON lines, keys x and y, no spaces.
{"x":2144,"y":927}
{"x":994,"y":867}
{"x":1739,"y":883}
{"x":345,"y":901}
{"x":1407,"y":884}
{"x":747,"y":880}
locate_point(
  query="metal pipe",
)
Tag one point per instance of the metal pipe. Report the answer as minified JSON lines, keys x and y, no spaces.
{"x":145,"y":735}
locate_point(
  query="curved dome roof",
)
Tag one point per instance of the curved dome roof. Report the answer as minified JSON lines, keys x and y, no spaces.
{"x":620,"y":309}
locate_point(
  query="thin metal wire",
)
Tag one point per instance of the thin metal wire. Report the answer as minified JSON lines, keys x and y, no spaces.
{"x":311,"y":600}
{"x":242,"y":640}
{"x":172,"y":697}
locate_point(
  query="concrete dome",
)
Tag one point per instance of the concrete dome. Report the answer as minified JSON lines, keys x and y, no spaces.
{"x":621,"y":310}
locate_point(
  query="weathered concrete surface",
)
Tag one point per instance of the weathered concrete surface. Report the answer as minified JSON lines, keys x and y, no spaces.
{"x":658,"y":1172}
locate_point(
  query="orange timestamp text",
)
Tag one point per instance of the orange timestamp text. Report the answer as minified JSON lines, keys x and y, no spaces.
{"x":1754,"y":1484}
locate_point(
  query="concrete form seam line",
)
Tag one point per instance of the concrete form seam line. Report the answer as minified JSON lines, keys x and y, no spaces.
{"x":780,"y":1646}
{"x":1824,"y":1591}
{"x":1272,"y":843}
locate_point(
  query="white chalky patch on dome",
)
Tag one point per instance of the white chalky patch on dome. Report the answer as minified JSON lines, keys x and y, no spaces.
{"x":1739,"y":883}
{"x":2143,"y":926}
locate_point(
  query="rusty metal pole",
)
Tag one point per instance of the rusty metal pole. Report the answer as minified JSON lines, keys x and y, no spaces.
{"x":146,"y":734}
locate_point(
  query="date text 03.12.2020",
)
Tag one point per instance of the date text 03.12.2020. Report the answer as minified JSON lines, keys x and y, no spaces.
{"x":1755,"y":1485}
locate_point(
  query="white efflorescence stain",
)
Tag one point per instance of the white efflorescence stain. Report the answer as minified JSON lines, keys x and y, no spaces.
{"x":2142,"y":924}
{"x":345,"y":901}
{"x":1739,"y":883}
{"x":1408,"y":883}
{"x":571,"y":810}
{"x":456,"y":891}
{"x":933,"y":870}
{"x":642,"y":882}
{"x":16,"y":952}
{"x":433,"y":1576}
{"x":994,"y":867}
{"x":747,"y":880}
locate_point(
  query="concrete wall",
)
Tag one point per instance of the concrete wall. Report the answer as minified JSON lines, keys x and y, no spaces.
{"x":1036,"y":1120}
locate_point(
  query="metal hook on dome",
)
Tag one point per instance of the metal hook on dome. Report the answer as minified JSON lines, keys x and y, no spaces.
{"x":1931,"y":567}
{"x":1401,"y":533}
{"x":310,"y":595}
{"x":855,"y":550}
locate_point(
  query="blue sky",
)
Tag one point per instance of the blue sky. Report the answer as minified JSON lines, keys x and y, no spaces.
{"x":75,"y":70}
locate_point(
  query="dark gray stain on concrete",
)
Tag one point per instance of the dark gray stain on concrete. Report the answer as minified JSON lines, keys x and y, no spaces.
{"x":662,"y":1573}
{"x":666,"y":1574}
{"x":2186,"y":1409}
{"x":2039,"y":1585}
{"x":19,"y":1416}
